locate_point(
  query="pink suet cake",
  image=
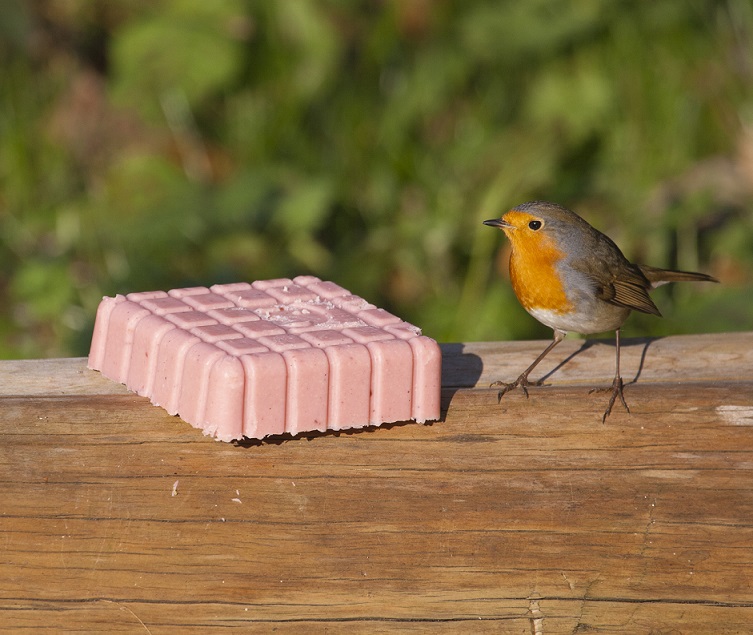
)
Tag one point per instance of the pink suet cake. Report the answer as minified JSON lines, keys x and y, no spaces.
{"x":268,"y":357}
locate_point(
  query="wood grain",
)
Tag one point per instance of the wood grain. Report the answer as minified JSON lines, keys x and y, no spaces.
{"x":524,"y":516}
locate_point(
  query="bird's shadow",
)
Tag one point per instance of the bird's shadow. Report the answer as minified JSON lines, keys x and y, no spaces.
{"x":645,"y":342}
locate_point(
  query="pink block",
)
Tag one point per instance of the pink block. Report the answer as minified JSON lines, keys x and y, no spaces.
{"x":164,"y":305}
{"x":99,"y":337}
{"x":223,"y":412}
{"x":188,"y":291}
{"x":233,"y":287}
{"x":325,"y":289}
{"x":308,"y":381}
{"x":233,"y":315}
{"x":207,"y":301}
{"x":268,"y":357}
{"x":427,"y":378}
{"x":190,"y":319}
{"x":123,"y":321}
{"x":216,"y":333}
{"x":378,"y":317}
{"x":242,"y":346}
{"x":391,"y":381}
{"x":265,"y":285}
{"x":194,"y":388}
{"x":403,"y":330}
{"x":290,"y":293}
{"x":366,"y":334}
{"x":266,"y":390}
{"x":349,"y":386}
{"x":351,"y":303}
{"x":261,"y":328}
{"x":141,"y":296}
{"x":252,"y":299}
{"x":143,"y":363}
{"x":168,"y":373}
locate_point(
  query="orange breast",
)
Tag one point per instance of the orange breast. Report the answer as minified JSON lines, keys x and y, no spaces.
{"x":533,"y":275}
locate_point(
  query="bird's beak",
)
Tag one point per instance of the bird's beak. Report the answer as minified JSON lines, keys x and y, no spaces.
{"x":498,"y":222}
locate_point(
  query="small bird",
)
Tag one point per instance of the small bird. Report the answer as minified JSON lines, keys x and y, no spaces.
{"x":571,"y":277}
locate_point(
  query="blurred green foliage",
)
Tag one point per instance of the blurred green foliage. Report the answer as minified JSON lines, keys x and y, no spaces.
{"x":159,"y":143}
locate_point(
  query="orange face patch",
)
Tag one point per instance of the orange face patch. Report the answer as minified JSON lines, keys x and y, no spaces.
{"x":533,"y":260}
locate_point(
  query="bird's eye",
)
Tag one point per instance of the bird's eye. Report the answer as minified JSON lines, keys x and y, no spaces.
{"x":535,"y":225}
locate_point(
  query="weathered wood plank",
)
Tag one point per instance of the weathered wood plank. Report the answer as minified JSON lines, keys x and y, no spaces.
{"x":679,"y":358}
{"x":514,"y":618}
{"x":51,"y":377}
{"x":682,"y":358}
{"x":117,"y":517}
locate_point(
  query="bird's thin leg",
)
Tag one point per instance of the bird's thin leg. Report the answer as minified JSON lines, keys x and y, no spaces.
{"x":617,"y":383}
{"x":522,"y":381}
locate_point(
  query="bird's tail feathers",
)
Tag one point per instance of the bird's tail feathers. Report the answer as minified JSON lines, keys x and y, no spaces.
{"x":658,"y":276}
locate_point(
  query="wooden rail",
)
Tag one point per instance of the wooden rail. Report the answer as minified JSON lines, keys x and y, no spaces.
{"x":524,"y":516}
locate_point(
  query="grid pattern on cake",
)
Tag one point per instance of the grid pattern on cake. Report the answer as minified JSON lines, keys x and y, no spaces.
{"x":268,"y":357}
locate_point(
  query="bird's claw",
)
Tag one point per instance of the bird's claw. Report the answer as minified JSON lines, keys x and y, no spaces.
{"x":616,"y":390}
{"x":521,"y":382}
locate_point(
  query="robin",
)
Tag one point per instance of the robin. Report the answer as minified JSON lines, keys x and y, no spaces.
{"x":571,"y":277}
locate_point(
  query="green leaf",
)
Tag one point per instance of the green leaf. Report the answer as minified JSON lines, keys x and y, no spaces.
{"x":185,"y":47}
{"x":306,"y":206}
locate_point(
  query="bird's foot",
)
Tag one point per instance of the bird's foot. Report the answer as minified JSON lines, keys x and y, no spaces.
{"x":521,"y":382}
{"x":616,"y":389}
